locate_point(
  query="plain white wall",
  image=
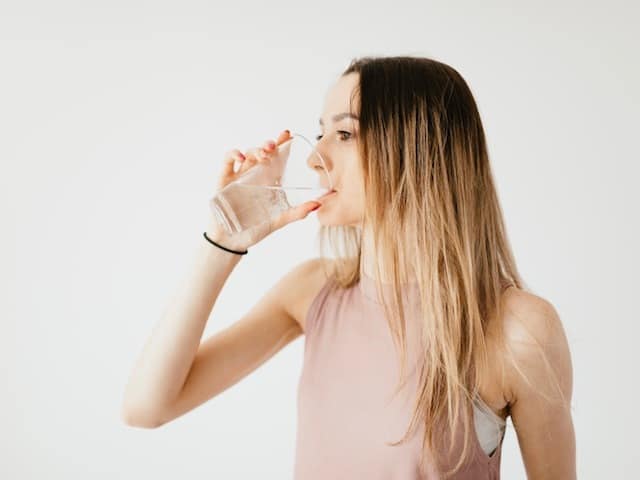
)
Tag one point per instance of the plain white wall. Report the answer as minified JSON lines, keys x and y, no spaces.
{"x":113,"y":120}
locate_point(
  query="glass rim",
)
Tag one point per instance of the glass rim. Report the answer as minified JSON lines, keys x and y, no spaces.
{"x":314,"y":150}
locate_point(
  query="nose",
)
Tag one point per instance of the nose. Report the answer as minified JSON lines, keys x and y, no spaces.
{"x":319,"y":163}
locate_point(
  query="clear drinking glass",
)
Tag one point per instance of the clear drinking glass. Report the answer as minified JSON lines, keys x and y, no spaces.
{"x":295,"y":174}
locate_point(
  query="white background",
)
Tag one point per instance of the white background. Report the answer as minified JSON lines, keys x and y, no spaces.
{"x":114,"y":117}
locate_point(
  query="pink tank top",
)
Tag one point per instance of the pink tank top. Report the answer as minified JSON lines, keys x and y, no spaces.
{"x":346,"y":411}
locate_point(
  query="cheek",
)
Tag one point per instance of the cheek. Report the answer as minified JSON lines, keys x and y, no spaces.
{"x":353,"y":194}
{"x":347,"y":203}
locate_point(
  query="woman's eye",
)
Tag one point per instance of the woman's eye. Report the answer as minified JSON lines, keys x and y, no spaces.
{"x":341,"y":132}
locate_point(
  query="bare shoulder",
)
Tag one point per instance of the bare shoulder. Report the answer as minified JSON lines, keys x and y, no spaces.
{"x":529,"y":319}
{"x":302,"y":284}
{"x":539,"y":382}
{"x":537,"y":345}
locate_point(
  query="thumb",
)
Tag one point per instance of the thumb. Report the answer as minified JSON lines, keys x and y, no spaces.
{"x":296,"y":213}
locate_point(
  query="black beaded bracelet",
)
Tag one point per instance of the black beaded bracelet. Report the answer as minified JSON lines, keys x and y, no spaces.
{"x":223,"y":248}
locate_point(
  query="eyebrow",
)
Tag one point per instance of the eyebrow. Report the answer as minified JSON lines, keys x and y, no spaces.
{"x":340,"y":116}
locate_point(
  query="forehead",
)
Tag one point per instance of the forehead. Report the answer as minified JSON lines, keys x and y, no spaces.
{"x":337,"y":99}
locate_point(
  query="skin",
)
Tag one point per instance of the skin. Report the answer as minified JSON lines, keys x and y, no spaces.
{"x":545,"y":431}
{"x":176,"y":372}
{"x":337,"y":146}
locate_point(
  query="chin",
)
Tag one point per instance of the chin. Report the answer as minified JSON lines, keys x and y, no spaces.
{"x":327,"y":218}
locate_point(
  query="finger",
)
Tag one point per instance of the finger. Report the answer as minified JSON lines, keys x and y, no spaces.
{"x":255,"y":155}
{"x":295,"y":213}
{"x":269,"y":147}
{"x":283,"y":137}
{"x":263,"y":154}
{"x":229,"y":160}
{"x":247,"y":164}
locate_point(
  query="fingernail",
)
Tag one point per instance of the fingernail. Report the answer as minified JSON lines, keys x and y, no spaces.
{"x":287,"y":132}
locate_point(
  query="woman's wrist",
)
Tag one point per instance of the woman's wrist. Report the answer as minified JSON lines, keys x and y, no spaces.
{"x":218,"y":234}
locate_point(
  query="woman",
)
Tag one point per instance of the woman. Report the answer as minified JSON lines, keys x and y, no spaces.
{"x":422,"y":273}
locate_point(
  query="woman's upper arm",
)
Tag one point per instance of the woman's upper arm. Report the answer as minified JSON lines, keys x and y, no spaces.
{"x":232,"y":353}
{"x":540,"y":380}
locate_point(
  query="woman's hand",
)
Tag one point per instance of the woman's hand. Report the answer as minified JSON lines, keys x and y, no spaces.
{"x":247,"y":160}
{"x":250,"y":158}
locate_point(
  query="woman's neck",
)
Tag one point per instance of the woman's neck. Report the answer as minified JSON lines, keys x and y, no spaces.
{"x":370,"y":262}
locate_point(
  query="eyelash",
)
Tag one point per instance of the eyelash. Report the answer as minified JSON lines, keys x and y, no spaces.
{"x":318,"y":137}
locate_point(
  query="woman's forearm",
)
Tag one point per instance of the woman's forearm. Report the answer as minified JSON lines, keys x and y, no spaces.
{"x":165,"y":361}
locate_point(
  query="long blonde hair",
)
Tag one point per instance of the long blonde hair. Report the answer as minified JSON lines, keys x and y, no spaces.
{"x":429,"y":189}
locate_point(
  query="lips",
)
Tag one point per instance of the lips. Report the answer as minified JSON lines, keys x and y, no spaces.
{"x":326,"y":195}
